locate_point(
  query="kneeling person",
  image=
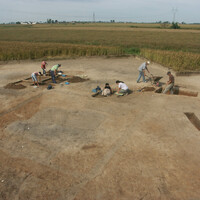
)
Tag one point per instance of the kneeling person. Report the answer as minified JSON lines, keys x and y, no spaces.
{"x":107,"y":90}
{"x":122,"y":88}
{"x":169,"y":84}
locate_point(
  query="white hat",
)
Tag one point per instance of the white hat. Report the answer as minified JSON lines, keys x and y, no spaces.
{"x":148,"y":62}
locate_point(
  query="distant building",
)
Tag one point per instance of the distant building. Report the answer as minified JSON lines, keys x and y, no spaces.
{"x":28,"y":23}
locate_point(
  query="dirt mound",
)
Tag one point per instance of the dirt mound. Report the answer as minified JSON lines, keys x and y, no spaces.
{"x":76,"y":79}
{"x":14,"y":86}
{"x":147,"y":89}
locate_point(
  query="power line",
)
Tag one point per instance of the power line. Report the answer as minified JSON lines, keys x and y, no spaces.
{"x":94,"y":17}
{"x":174,"y":11}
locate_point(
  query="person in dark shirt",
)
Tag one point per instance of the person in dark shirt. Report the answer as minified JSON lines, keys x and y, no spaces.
{"x":169,"y":84}
{"x":107,"y":90}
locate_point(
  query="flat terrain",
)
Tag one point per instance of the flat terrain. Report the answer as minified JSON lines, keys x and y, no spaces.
{"x":174,"y":48}
{"x":63,"y":144}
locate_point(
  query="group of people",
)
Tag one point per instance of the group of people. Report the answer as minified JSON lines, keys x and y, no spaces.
{"x":122,"y":87}
{"x":170,"y":83}
{"x":53,"y":73}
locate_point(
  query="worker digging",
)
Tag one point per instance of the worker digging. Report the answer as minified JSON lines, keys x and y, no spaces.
{"x":53,"y":72}
{"x":141,"y":70}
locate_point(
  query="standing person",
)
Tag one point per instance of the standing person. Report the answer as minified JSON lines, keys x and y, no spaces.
{"x":107,"y":90}
{"x":142,"y":69}
{"x":169,"y":84}
{"x":43,"y":66}
{"x":34,"y":76}
{"x":53,"y":72}
{"x":122,"y":88}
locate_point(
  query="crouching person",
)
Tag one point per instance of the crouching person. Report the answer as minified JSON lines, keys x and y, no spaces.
{"x":169,"y":84}
{"x":107,"y":91}
{"x":34,"y":77}
{"x":122,"y":88}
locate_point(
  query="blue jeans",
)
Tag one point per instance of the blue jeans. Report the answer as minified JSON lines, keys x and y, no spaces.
{"x":53,"y":77}
{"x":44,"y":71}
{"x":141,"y":74}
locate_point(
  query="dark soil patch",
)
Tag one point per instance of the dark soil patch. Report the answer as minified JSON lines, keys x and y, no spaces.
{"x":49,"y":81}
{"x":86,"y":147}
{"x":73,"y":79}
{"x":76,"y":79}
{"x":159,"y":90}
{"x":148,"y":89}
{"x":14,"y":86}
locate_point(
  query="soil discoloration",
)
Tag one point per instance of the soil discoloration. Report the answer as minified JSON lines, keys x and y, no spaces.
{"x":92,"y":146}
{"x":76,"y":79}
{"x":14,"y":86}
{"x":148,"y":89}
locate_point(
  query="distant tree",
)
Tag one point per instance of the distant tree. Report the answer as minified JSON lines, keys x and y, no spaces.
{"x":56,"y":21}
{"x":49,"y":21}
{"x":18,"y":22}
{"x":175,"y":25}
{"x":183,"y":23}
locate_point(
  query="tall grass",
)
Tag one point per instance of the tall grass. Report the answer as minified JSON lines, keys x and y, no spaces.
{"x":178,"y":49}
{"x":27,"y":50}
{"x":178,"y":61}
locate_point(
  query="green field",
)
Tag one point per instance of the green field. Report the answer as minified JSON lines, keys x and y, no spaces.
{"x":178,"y":49}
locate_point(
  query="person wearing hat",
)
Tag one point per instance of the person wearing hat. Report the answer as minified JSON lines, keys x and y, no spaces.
{"x":34,"y":76}
{"x":169,"y":84}
{"x":141,"y":70}
{"x":53,"y":72}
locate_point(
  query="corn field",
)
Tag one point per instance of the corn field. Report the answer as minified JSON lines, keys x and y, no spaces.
{"x":177,"y":49}
{"x":25,"y":50}
{"x":178,"y":61}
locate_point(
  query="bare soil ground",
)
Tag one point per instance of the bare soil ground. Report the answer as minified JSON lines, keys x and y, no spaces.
{"x":63,"y":144}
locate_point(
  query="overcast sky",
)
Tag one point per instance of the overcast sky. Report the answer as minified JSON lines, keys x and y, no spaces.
{"x":105,"y":10}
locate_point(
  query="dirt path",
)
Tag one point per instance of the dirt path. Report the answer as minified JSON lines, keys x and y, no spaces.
{"x":64,"y":144}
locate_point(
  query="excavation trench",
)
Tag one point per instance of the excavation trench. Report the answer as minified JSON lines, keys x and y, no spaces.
{"x":193,"y":119}
{"x":179,"y":91}
{"x":43,"y":81}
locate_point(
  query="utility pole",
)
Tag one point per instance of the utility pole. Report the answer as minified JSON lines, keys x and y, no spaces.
{"x":174,"y":11}
{"x":94,"y":17}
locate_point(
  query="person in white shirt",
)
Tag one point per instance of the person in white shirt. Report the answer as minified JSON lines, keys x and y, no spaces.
{"x":34,"y":76}
{"x":122,"y":88}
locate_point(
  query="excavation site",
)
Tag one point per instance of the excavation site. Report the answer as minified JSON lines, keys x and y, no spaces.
{"x":60,"y":141}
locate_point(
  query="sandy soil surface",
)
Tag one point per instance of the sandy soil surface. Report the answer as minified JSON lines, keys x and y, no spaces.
{"x":63,"y":144}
